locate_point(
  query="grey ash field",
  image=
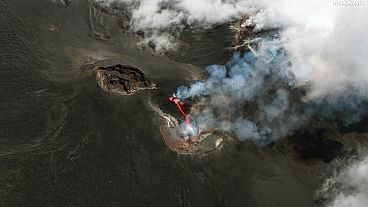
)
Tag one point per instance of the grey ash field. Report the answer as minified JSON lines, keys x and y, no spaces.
{"x":66,"y":142}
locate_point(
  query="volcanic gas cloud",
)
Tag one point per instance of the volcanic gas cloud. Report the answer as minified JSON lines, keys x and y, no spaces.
{"x":256,"y":96}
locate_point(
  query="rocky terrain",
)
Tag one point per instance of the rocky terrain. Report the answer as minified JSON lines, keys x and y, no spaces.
{"x":122,"y":79}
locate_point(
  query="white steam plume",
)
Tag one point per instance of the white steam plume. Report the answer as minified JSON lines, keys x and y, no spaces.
{"x":326,"y":43}
{"x":350,"y":187}
{"x":162,"y":20}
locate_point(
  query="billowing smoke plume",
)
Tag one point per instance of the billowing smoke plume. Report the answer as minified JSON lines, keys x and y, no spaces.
{"x":256,"y":96}
{"x":249,"y":96}
{"x":321,"y":48}
{"x":350,"y":187}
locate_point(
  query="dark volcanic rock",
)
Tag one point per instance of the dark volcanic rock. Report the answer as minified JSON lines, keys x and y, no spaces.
{"x":313,"y":145}
{"x":122,"y":79}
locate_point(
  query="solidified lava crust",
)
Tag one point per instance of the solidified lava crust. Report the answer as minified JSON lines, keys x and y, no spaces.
{"x":122,"y":79}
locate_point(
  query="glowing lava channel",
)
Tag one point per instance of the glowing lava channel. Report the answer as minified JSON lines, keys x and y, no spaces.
{"x":176,"y":101}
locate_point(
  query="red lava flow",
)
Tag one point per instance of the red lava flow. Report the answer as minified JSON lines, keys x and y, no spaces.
{"x":176,"y":101}
{"x":171,"y":135}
